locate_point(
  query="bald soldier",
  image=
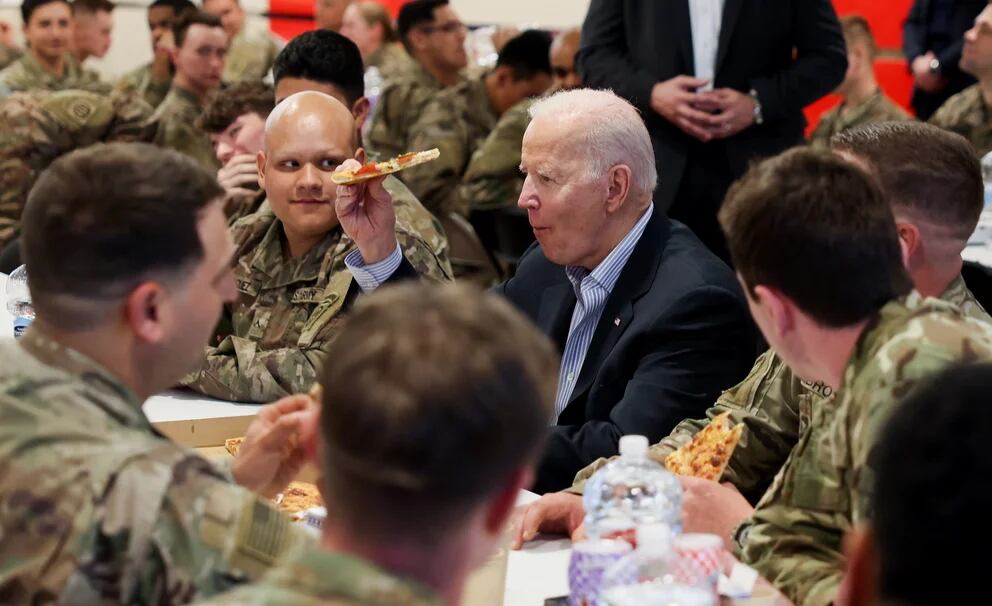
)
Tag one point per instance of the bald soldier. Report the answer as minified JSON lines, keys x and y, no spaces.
{"x":293,"y":283}
{"x":38,"y":127}
{"x":130,"y":265}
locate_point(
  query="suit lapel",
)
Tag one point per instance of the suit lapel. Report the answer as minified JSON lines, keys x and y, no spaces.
{"x":555,"y":313}
{"x":731,"y":11}
{"x":683,"y":25}
{"x":618,"y":313}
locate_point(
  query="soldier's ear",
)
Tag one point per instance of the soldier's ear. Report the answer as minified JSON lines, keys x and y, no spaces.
{"x":360,"y":110}
{"x":260,"y":162}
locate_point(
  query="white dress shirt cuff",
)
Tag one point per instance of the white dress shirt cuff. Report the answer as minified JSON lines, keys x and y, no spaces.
{"x":371,"y":277}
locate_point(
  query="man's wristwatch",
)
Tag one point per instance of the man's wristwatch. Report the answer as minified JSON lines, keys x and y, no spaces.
{"x":934,"y":65}
{"x":758,"y":117}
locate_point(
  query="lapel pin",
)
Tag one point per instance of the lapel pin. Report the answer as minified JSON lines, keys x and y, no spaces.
{"x":616,"y":321}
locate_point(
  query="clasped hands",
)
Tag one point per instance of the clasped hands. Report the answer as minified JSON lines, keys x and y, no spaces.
{"x":707,"y":115}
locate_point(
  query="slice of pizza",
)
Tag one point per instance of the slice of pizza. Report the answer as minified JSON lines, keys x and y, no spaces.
{"x":708,"y":453}
{"x":298,"y":497}
{"x":233,"y":445}
{"x":372,"y":170}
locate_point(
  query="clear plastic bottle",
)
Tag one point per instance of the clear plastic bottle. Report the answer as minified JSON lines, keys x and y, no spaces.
{"x":650,"y":562}
{"x":987,"y":177}
{"x":630,"y":492}
{"x":19,"y":300}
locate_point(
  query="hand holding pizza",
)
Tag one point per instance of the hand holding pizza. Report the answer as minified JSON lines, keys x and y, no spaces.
{"x":365,"y":211}
{"x":275,"y":444}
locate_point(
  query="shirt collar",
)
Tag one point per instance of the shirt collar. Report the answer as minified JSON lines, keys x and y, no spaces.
{"x":606,"y":274}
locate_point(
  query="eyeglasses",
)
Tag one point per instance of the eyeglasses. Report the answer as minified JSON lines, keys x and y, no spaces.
{"x":451,"y":27}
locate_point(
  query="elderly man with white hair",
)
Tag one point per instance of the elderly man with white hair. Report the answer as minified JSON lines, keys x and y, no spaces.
{"x":650,"y":324}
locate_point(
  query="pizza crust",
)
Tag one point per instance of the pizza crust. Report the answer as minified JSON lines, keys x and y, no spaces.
{"x":372,"y":170}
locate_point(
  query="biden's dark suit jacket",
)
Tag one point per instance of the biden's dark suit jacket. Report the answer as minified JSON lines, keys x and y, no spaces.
{"x":674,"y":332}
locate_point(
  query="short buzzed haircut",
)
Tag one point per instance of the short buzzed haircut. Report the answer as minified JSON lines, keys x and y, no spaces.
{"x":527,"y":55}
{"x":91,"y":7}
{"x":417,"y":13}
{"x":931,"y":498}
{"x":226,"y":105}
{"x":818,"y":229}
{"x":101,"y":220}
{"x":326,"y":57}
{"x":922,"y":169}
{"x":28,"y":7}
{"x":177,"y":6}
{"x":188,"y":19}
{"x":857,"y":30}
{"x":433,"y":397}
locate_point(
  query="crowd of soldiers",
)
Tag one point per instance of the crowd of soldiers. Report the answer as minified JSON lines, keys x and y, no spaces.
{"x":289,"y":263}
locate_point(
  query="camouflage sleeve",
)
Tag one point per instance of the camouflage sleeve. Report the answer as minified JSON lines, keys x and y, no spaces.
{"x":820,"y":137}
{"x":384,"y":136}
{"x":435,"y":183}
{"x":770,"y":402}
{"x":170,"y":530}
{"x":492,"y":179}
{"x":140,"y":81}
{"x":424,"y":259}
{"x":184,"y":137}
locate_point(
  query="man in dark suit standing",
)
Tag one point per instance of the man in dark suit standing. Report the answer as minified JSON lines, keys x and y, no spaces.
{"x":719,"y":83}
{"x":932,"y":40}
{"x":651,"y":325}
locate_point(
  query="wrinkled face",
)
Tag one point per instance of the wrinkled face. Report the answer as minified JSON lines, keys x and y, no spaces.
{"x":196,"y":303}
{"x":93,"y":33}
{"x":563,"y":64}
{"x":367,"y":38}
{"x":329,"y":13}
{"x":201,"y":57}
{"x":230,"y":13}
{"x":49,"y":30}
{"x":295,"y":171}
{"x":159,"y":22}
{"x":445,"y":39}
{"x":976,"y":57}
{"x":246,"y":135}
{"x":565,"y":206}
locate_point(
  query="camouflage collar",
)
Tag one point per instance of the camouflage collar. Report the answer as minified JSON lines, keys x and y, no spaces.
{"x":421,"y":75}
{"x":120,"y":403}
{"x":70,"y":69}
{"x":183,"y":95}
{"x":314,"y":265}
{"x":313,"y":572}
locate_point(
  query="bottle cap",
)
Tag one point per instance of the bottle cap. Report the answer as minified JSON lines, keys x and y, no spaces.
{"x":635,"y":447}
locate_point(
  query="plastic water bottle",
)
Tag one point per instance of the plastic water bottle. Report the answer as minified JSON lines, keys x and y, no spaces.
{"x":650,"y":562}
{"x":19,"y":300}
{"x":630,"y":492}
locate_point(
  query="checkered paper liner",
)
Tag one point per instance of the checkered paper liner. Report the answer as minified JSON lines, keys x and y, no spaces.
{"x":698,"y":560}
{"x":589,"y":561}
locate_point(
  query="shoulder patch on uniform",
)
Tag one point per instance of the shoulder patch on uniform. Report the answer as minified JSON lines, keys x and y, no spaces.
{"x":81,"y":110}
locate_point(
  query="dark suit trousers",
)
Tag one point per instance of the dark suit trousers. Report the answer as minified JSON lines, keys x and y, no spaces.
{"x":700,"y":194}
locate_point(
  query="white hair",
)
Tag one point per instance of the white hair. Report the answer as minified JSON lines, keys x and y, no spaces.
{"x":610,"y":128}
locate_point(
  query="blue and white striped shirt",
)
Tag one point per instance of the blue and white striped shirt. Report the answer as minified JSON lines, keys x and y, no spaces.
{"x":592,"y":289}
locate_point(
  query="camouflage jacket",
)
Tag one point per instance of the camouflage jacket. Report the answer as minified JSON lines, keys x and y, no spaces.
{"x":876,"y":108}
{"x":37,"y":127}
{"x":967,"y":114}
{"x":316,"y":577}
{"x":400,"y":104}
{"x":140,"y":80}
{"x":823,"y":490}
{"x":8,"y":55}
{"x":27,"y":74}
{"x":275,"y":336}
{"x":391,"y":60}
{"x":250,"y":55}
{"x":176,"y":117}
{"x":776,"y":408}
{"x":98,"y":508}
{"x":492,"y":179}
{"x":457,"y":121}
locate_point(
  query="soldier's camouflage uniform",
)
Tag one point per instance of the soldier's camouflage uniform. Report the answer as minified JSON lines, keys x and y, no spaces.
{"x":141,"y":81}
{"x":250,"y":55}
{"x":391,"y":60}
{"x":776,"y":408}
{"x":967,"y":114}
{"x":27,"y":74}
{"x":399,"y":106}
{"x":38,"y":127}
{"x":176,"y":119}
{"x":824,"y":489}
{"x":493,"y":179}
{"x":8,"y":55}
{"x":876,"y":108}
{"x":456,"y":122}
{"x":275,"y":336}
{"x":315,"y":577}
{"x":98,"y":507}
